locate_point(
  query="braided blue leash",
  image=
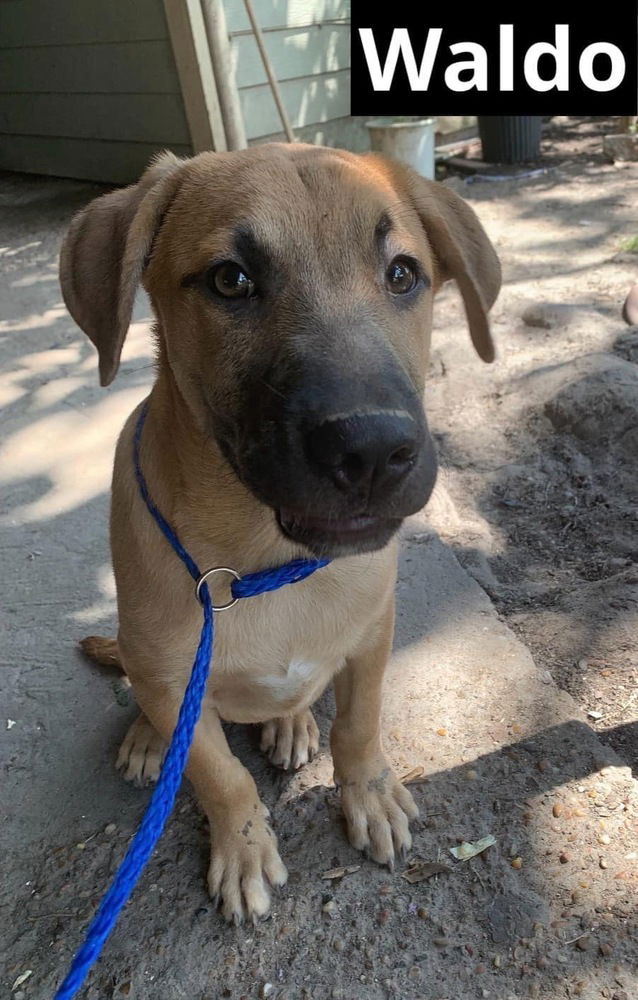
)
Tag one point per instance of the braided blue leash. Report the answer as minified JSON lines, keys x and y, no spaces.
{"x":170,"y":779}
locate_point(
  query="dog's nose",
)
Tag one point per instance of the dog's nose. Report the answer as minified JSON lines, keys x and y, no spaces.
{"x":369,"y":452}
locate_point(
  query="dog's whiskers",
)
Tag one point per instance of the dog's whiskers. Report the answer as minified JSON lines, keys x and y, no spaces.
{"x":272,"y":388}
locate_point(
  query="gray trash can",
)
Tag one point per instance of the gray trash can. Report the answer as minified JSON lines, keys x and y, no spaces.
{"x":510,"y":138}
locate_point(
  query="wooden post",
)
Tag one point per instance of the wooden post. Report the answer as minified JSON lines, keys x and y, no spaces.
{"x":215,"y":21}
{"x":194,"y":68}
{"x":265,"y":58}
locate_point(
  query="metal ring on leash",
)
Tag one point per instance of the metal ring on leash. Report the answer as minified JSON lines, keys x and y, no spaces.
{"x":204,"y":577}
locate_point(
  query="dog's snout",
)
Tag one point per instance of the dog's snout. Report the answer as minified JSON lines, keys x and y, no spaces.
{"x":364,"y":452}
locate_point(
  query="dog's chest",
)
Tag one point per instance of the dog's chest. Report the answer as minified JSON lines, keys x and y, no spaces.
{"x":277,"y":656}
{"x":298,"y":684}
{"x":269,"y":691}
{"x":274,"y":655}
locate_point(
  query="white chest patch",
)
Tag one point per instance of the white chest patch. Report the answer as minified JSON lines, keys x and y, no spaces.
{"x":301,"y":676}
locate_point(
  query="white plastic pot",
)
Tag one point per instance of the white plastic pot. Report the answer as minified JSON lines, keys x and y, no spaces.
{"x":410,"y":141}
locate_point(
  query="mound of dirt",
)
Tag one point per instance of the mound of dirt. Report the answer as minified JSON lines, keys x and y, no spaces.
{"x":538,"y":452}
{"x":627,"y":345}
{"x":595,"y":398}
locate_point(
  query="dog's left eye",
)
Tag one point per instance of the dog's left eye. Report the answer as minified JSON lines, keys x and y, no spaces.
{"x":230,"y":281}
{"x":401,"y":277}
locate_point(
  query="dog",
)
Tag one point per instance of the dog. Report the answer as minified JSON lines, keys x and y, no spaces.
{"x":292,"y":287}
{"x":630,"y":306}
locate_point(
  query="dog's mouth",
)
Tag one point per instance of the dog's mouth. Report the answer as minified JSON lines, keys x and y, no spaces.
{"x":337,"y":536}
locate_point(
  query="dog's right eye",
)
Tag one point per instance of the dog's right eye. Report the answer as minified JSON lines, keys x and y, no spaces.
{"x":230,"y":281}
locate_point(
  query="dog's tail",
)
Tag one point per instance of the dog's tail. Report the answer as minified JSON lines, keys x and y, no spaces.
{"x":101,"y":650}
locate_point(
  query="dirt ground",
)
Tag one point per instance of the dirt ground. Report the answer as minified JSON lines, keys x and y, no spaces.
{"x":516,"y":619}
{"x":542,"y":462}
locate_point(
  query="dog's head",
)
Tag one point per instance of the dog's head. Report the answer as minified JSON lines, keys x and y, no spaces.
{"x":293,"y":289}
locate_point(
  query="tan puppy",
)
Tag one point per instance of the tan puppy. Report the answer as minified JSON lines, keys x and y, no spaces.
{"x":293,"y":291}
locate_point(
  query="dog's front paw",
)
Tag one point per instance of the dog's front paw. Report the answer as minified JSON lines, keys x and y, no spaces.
{"x":244,"y":863}
{"x":378,"y":810}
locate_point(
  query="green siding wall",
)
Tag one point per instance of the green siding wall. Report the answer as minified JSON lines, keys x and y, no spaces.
{"x":308,"y":42}
{"x":87,"y":88}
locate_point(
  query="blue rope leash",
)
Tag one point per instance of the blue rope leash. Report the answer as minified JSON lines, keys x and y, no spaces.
{"x":170,"y":779}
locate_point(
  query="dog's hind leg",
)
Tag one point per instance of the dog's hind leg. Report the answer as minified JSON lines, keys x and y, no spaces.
{"x":142,"y":753}
{"x":291,"y":742}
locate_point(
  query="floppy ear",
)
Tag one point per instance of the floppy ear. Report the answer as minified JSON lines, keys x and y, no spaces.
{"x":104,"y":254}
{"x":462,"y":251}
